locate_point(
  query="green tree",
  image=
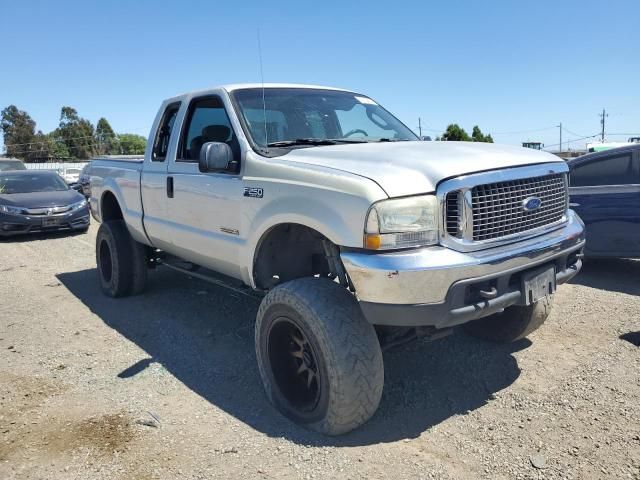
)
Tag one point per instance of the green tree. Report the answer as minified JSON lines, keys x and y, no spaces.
{"x":77,"y":134}
{"x":455,"y":133}
{"x":18,"y":130}
{"x":478,"y":136}
{"x":106,"y":140}
{"x":43,"y":147}
{"x":131,"y":144}
{"x":58,"y":147}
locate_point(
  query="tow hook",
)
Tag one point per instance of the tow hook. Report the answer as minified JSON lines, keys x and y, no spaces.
{"x":489,"y":294}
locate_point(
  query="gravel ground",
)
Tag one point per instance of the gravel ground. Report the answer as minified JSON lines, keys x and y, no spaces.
{"x":165,"y":385}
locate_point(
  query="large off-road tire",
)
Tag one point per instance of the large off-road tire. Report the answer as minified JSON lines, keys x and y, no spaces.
{"x":319,"y":359}
{"x":122,"y":262}
{"x":513,"y":324}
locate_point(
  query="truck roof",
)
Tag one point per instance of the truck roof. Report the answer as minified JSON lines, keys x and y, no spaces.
{"x":238,"y":86}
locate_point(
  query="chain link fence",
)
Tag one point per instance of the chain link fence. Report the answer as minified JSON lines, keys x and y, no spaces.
{"x":55,"y":166}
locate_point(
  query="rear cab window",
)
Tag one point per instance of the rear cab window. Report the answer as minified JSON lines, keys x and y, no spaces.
{"x":163,"y":135}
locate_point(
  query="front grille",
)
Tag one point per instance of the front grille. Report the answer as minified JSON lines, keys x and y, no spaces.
{"x":45,"y":211}
{"x":498,"y":209}
{"x":453,"y":214}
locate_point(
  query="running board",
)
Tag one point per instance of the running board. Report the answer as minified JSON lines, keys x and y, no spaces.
{"x":215,"y":281}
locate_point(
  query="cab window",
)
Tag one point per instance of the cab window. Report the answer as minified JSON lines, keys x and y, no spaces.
{"x":163,"y":135}
{"x":207,"y":121}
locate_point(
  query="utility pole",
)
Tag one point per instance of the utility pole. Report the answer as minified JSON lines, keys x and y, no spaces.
{"x":602,"y":116}
{"x":560,"y":126}
{"x":420,"y":127}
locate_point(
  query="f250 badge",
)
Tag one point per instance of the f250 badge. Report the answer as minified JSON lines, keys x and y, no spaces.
{"x":255,"y":192}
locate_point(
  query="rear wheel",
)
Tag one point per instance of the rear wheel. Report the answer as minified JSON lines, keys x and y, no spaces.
{"x":319,"y":359}
{"x":121,"y":261}
{"x":513,"y":324}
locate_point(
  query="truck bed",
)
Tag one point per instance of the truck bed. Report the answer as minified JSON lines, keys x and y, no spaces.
{"x":120,"y":158}
{"x":120,"y":175}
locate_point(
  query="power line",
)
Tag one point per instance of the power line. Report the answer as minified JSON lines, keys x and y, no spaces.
{"x":63,"y":140}
{"x":572,"y":133}
{"x":70,"y":138}
{"x":42,"y":150}
{"x":526,"y":131}
{"x":571,"y":141}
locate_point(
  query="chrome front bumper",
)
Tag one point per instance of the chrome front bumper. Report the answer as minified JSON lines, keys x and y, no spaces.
{"x":434,"y":285}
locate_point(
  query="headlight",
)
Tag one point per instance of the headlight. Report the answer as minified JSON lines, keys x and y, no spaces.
{"x":402,"y":223}
{"x":11,"y":210}
{"x":78,"y":205}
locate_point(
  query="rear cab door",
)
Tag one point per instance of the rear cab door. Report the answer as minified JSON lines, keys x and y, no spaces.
{"x":153,"y":181}
{"x":605,"y":191}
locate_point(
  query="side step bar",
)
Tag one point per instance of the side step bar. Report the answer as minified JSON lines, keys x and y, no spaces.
{"x":211,"y":279}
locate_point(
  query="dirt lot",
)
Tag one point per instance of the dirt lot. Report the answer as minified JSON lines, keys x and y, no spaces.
{"x":165,"y":385}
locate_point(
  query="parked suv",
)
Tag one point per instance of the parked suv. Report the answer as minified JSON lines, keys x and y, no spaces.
{"x":605,"y":191}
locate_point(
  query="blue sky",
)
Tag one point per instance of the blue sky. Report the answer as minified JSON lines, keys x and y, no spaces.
{"x":508,"y":66}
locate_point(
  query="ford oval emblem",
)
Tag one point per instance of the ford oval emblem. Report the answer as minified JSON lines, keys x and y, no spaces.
{"x":531,"y":203}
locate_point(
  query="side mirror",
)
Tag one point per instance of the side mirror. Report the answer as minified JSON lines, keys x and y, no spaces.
{"x":215,"y":156}
{"x":77,"y":187}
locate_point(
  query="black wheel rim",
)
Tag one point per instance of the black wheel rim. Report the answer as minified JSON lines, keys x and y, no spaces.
{"x":105,"y":261}
{"x":294,"y":365}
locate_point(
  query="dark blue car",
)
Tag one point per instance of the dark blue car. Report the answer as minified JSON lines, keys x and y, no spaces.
{"x":39,"y":201}
{"x":605,"y":191}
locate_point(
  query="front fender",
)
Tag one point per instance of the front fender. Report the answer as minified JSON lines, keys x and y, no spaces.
{"x":339,"y":217}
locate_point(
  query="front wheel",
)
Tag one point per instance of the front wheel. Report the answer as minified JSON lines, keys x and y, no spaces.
{"x":319,"y":359}
{"x":513,"y":324}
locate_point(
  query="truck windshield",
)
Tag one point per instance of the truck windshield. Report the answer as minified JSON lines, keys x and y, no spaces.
{"x":307,"y":117}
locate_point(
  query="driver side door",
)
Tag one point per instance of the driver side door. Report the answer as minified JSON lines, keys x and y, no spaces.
{"x":204,"y":208}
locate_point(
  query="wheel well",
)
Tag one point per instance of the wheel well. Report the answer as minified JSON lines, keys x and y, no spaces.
{"x":290,"y":251}
{"x":110,"y":208}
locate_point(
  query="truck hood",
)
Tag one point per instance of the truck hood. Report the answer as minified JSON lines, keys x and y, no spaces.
{"x":409,"y":168}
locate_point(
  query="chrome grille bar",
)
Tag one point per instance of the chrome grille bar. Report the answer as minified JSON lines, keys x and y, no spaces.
{"x":487,"y":209}
{"x":498,"y":208}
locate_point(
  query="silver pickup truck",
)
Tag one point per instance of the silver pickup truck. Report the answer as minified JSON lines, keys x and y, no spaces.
{"x":355,"y":235}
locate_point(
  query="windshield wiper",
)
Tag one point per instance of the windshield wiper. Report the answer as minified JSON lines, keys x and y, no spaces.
{"x":313,"y":141}
{"x":302,"y":141}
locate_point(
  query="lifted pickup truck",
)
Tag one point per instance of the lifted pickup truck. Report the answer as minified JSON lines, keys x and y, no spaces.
{"x":356,"y":235}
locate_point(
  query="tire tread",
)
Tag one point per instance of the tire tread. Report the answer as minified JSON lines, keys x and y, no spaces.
{"x":348,"y":342}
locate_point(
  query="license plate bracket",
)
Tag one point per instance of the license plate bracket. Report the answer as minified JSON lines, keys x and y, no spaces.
{"x":538,"y":283}
{"x":50,"y":222}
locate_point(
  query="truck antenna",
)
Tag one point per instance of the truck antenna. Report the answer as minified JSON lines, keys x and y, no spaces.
{"x":264,"y":104}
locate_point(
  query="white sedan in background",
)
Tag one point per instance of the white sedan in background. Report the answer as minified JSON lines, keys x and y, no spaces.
{"x":71,"y":175}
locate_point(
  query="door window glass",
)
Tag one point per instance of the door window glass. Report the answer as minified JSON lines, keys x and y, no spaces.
{"x":161,"y":143}
{"x":207,"y":122}
{"x":607,"y":171}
